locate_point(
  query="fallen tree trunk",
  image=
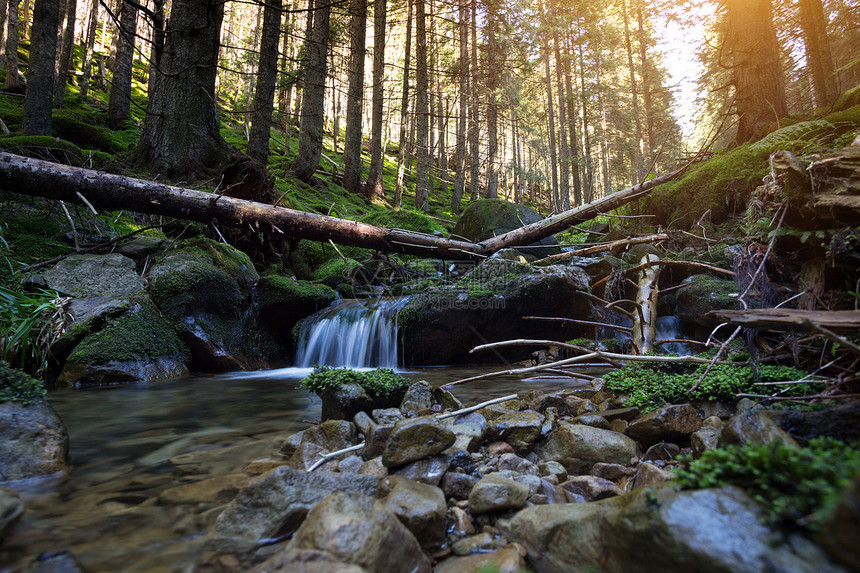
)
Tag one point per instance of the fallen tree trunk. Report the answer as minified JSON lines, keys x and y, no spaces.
{"x":115,"y":192}
{"x":790,"y":319}
{"x":645,"y":319}
{"x":558,"y":223}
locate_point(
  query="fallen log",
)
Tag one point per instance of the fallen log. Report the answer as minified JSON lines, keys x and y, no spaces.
{"x":791,"y":319}
{"x":602,"y":248}
{"x":114,"y":192}
{"x":645,"y":321}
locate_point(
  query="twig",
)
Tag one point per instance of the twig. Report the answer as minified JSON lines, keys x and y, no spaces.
{"x":577,"y":321}
{"x":325,"y":457}
{"x":337,"y":250}
{"x":72,"y":223}
{"x":682,"y":264}
{"x":599,"y":248}
{"x":87,"y":203}
{"x":833,"y":337}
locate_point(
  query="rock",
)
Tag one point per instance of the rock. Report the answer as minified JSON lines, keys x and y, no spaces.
{"x":418,"y":397}
{"x":754,"y":427}
{"x":532,"y":481}
{"x":291,"y":444}
{"x":447,"y":400}
{"x":219,"y":489}
{"x":500,"y":448}
{"x":626,"y":414}
{"x":356,"y":529}
{"x":468,"y":436}
{"x":472,"y":544}
{"x":462,"y":523}
{"x":540,"y":401}
{"x":333,"y":435}
{"x":350,"y":464}
{"x":309,"y":454}
{"x":374,"y":468}
{"x":612,"y":472}
{"x":672,"y":423}
{"x":662,"y":451}
{"x":458,"y":485}
{"x":375,"y":445}
{"x":493,"y":411}
{"x":705,"y":439}
{"x":284,"y":301}
{"x":365,"y":424}
{"x":841,"y":531}
{"x":415,"y":439}
{"x":11,"y":510}
{"x":420,"y":507}
{"x":655,"y":529}
{"x":306,"y":561}
{"x":591,"y":488}
{"x":553,"y":469}
{"x":592,"y":420}
{"x":387,"y":416}
{"x":495,"y":493}
{"x":579,"y":406}
{"x":515,"y":463}
{"x":716,"y":409}
{"x":619,"y":426}
{"x":279,"y":500}
{"x":35,"y":442}
{"x":713,"y":422}
{"x":519,"y":429}
{"x":429,"y":470}
{"x":506,"y":560}
{"x":579,"y":447}
{"x":112,"y":275}
{"x":840,"y":422}
{"x":344,"y":402}
{"x":140,"y":246}
{"x":649,"y":474}
{"x":487,"y":218}
{"x":471,"y":418}
{"x":701,"y":294}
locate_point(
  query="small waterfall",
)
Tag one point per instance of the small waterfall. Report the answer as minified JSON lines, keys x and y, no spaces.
{"x":354,"y":334}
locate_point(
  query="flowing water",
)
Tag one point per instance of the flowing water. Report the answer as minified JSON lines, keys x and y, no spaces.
{"x":129,"y":444}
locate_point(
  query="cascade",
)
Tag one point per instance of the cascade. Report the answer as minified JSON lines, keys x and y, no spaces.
{"x":354,"y":334}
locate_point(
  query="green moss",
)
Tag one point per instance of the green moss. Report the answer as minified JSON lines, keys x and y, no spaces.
{"x":377,"y":383}
{"x":19,"y":387}
{"x":797,"y":487}
{"x":274,"y":289}
{"x":139,"y":334}
{"x":53,"y":149}
{"x":403,"y":219}
{"x":716,"y":291}
{"x":336,"y":271}
{"x":82,"y":133}
{"x":189,"y":287}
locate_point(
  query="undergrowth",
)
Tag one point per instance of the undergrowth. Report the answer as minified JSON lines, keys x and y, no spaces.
{"x":19,"y":387}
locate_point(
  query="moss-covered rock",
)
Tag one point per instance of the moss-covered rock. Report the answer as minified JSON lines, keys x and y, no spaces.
{"x":487,"y":218}
{"x":703,"y":293}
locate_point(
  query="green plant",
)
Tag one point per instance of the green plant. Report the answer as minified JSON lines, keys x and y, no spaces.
{"x":796,"y":486}
{"x":380,"y":382}
{"x":18,"y":386}
{"x":29,"y":323}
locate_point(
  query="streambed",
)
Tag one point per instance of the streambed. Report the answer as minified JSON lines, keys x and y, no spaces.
{"x":129,"y":444}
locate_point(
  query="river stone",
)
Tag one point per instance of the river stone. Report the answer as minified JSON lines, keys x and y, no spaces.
{"x":593,"y":420}
{"x":11,"y":510}
{"x":458,"y":485}
{"x":471,"y":418}
{"x":140,"y":246}
{"x":515,"y":463}
{"x":532,"y":481}
{"x":418,"y":397}
{"x":333,"y":435}
{"x":704,"y":439}
{"x":415,"y":439}
{"x":219,"y":489}
{"x":308,"y":455}
{"x":429,"y":470}
{"x":365,"y":424}
{"x":649,"y":474}
{"x":840,"y":422}
{"x":487,"y":218}
{"x":626,"y":414}
{"x":350,"y":464}
{"x":553,"y":469}
{"x":579,"y":447}
{"x":672,"y":423}
{"x":418,"y":506}
{"x":701,"y":294}
{"x":493,"y":411}
{"x":496,"y":493}
{"x":468,"y":436}
{"x":112,"y":275}
{"x":34,"y":441}
{"x":540,"y":401}
{"x":473,"y":543}
{"x":278,"y":501}
{"x":663,"y":451}
{"x":579,"y":406}
{"x":592,"y":488}
{"x":447,"y":400}
{"x":659,"y":530}
{"x":344,"y":402}
{"x":613,"y":472}
{"x":754,"y":427}
{"x":461,"y":523}
{"x":306,"y":561}
{"x":374,"y":468}
{"x":291,"y":444}
{"x":115,"y":371}
{"x":519,"y":429}
{"x":387,"y":415}
{"x":506,"y":560}
{"x":357,"y":529}
{"x":376,"y":443}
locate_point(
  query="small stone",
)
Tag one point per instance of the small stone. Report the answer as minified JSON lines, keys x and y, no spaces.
{"x":420,"y":507}
{"x":495,"y":493}
{"x":462,"y":523}
{"x":350,"y":464}
{"x":365,"y":424}
{"x":592,"y":488}
{"x":625,"y":414}
{"x":446,"y":399}
{"x":649,"y":474}
{"x":592,"y":420}
{"x":469,"y":435}
{"x":332,"y":435}
{"x":714,"y":422}
{"x":519,"y":429}
{"x":458,"y":485}
{"x":291,"y":444}
{"x":509,"y":559}
{"x":672,"y":423}
{"x":663,"y":451}
{"x":415,"y":439}
{"x":532,"y":481}
{"x":619,"y":426}
{"x":520,"y":465}
{"x":707,"y":438}
{"x":579,"y":447}
{"x":387,"y":415}
{"x":472,"y":544}
{"x":378,"y":440}
{"x":428,"y":470}
{"x":374,"y":468}
{"x":747,"y":405}
{"x":611,"y":472}
{"x":418,"y":397}
{"x":580,"y":406}
{"x":308,"y":454}
{"x":754,"y":427}
{"x":499,"y":448}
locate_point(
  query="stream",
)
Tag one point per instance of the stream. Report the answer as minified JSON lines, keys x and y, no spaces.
{"x":131,"y":443}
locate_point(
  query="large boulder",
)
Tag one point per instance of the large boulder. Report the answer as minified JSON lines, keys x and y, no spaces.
{"x":701,"y":294}
{"x":578,"y":447}
{"x":420,"y":507}
{"x":35,"y":441}
{"x":415,"y":439}
{"x":488,"y":218}
{"x":111,"y":276}
{"x":672,"y":423}
{"x":754,"y":427}
{"x":279,"y":500}
{"x":284,"y":301}
{"x":357,"y":529}
{"x":657,"y":530}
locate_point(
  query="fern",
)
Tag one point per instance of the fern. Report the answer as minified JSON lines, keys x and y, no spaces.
{"x":803,"y":137}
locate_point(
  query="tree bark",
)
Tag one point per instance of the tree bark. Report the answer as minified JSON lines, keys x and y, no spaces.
{"x":157,"y":50}
{"x":64,"y":62}
{"x":556,"y":203}
{"x":4,"y":26}
{"x":402,"y":157}
{"x":11,"y":82}
{"x":474,"y":133}
{"x":639,"y":152}
{"x":355,"y":97}
{"x":491,"y":73}
{"x":460,"y":176}
{"x":818,"y":55}
{"x":572,"y":114}
{"x":119,"y":104}
{"x":645,"y":320}
{"x":88,"y":50}
{"x":564,"y":159}
{"x":311,"y":131}
{"x":422,"y":111}
{"x":756,"y":69}
{"x":181,"y":136}
{"x":373,"y":189}
{"x":645,"y":64}
{"x":264,"y":92}
{"x":36,"y":117}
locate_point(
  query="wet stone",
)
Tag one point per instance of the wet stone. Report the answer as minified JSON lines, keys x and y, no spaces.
{"x":418,"y":397}
{"x":553,"y":469}
{"x":520,"y":465}
{"x":754,"y":427}
{"x":447,"y":400}
{"x":458,"y":485}
{"x":663,"y":451}
{"x":415,"y":439}
{"x":672,"y":423}
{"x":611,"y":472}
{"x":387,"y":415}
{"x":592,"y":488}
{"x":374,"y":468}
{"x":649,"y":474}
{"x":519,"y":429}
{"x":472,"y":544}
{"x":428,"y":470}
{"x":707,"y":438}
{"x":495,"y":493}
{"x":420,"y":507}
{"x":593,"y":420}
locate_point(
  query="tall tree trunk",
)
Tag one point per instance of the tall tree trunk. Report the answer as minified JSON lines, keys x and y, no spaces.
{"x":181,"y":135}
{"x":157,"y":43}
{"x":119,"y":103}
{"x":250,"y":70}
{"x":460,"y":176}
{"x":402,"y":156}
{"x":517,"y":158}
{"x":564,"y":171}
{"x":264,"y":91}
{"x":756,"y":69}
{"x":64,"y":62}
{"x":4,"y":26}
{"x":285,"y":89}
{"x":422,"y":111}
{"x":25,"y":29}
{"x":11,"y":83}
{"x":87,"y":66}
{"x":572,"y":114}
{"x":374,"y":189}
{"x":441,"y":118}
{"x":645,"y":64}
{"x":474,"y":134}
{"x":556,"y":203}
{"x":639,"y":153}
{"x":589,"y":165}
{"x":355,"y":96}
{"x":492,"y":74}
{"x":36,"y":116}
{"x":818,"y":56}
{"x":311,"y":131}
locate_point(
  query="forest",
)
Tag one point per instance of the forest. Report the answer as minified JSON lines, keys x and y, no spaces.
{"x":442,"y":285}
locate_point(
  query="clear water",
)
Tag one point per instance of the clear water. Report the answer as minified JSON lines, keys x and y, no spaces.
{"x":107,"y":510}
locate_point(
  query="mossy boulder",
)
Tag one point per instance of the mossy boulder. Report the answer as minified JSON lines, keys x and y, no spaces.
{"x":283,"y":301}
{"x":138,"y":345}
{"x":111,"y":275}
{"x":703,"y":293}
{"x":488,"y":218}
